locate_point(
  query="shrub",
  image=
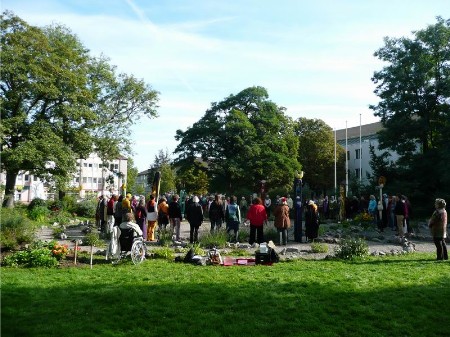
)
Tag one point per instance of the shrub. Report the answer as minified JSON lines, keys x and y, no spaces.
{"x":351,"y":248}
{"x":69,"y":203}
{"x":41,"y":257}
{"x":318,"y":247}
{"x":62,"y":217}
{"x":39,"y":213}
{"x":37,"y":202}
{"x":163,"y":253}
{"x":86,"y":208}
{"x":16,"y":228}
{"x":217,"y":239}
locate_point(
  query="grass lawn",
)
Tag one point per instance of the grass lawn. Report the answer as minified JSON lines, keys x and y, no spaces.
{"x":390,"y":296}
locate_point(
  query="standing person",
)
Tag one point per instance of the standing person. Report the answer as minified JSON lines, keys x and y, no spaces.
{"x":194,"y":215}
{"x":243,"y":205}
{"x":258,"y":217}
{"x":126,"y":206}
{"x":408,"y":215}
{"x":163,"y":214}
{"x":400,"y":213}
{"x":110,"y":213}
{"x":152,"y":216}
{"x":118,"y":211}
{"x":216,"y":214}
{"x":373,"y":208}
{"x":282,"y":220}
{"x":267,"y":205}
{"x":311,"y":221}
{"x":438,"y":227}
{"x":233,"y":218}
{"x":140,"y":214}
{"x":175,"y":216}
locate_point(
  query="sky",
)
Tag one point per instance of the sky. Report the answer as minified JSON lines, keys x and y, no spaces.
{"x":315,"y":58}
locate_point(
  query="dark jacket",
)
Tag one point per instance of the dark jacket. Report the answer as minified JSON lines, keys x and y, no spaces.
{"x":216,"y":211}
{"x":174,"y":210}
{"x":194,"y":214}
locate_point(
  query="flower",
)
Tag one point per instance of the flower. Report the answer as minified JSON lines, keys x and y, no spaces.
{"x":59,"y":251}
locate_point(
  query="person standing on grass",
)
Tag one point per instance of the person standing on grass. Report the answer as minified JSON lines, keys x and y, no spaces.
{"x":216,"y":214}
{"x":175,"y":216}
{"x":258,"y":217}
{"x":438,"y":227}
{"x":311,"y":221}
{"x":282,"y":220}
{"x":140,"y":214}
{"x":194,"y":215}
{"x":267,"y":205}
{"x":163,"y":214}
{"x":152,"y":216}
{"x":233,"y":218}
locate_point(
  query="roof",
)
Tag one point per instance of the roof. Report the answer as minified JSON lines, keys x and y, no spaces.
{"x":366,"y":130}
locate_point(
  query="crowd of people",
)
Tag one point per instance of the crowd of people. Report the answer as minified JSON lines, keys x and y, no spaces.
{"x":392,"y":212}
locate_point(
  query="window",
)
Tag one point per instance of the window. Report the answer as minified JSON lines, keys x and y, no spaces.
{"x":89,"y":179}
{"x":94,"y":180}
{"x":116,"y":166}
{"x":90,"y":164}
{"x":78,"y":164}
{"x":111,"y":167}
{"x":84,"y":180}
{"x":357,"y":172}
{"x":348,"y":155}
{"x":35,"y":178}
{"x":27,"y":177}
{"x":77,"y":180}
{"x":100,"y":165}
{"x":85,"y":164}
{"x":357,"y":153}
{"x":19,"y":177}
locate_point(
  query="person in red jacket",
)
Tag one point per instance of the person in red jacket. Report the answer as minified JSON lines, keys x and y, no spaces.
{"x":258,"y":217}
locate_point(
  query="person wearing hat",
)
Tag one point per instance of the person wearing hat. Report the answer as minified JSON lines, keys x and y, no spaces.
{"x":126,"y":206}
{"x":438,"y":227}
{"x":311,"y":221}
{"x":282,"y":220}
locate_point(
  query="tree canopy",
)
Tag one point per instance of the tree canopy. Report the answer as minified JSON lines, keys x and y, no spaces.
{"x":414,"y":107}
{"x":58,"y":103}
{"x":240,"y":141}
{"x":316,"y":153}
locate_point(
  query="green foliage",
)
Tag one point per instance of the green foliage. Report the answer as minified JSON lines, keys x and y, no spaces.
{"x":39,"y":213}
{"x":41,"y":257}
{"x":36,"y":202}
{"x":16,"y":228}
{"x":69,"y":203}
{"x":62,"y":217}
{"x":414,"y":94}
{"x":352,"y":248}
{"x":316,"y":154}
{"x":163,"y":253}
{"x":86,"y":208}
{"x":318,"y":247}
{"x":217,"y":239}
{"x":198,"y":250}
{"x":92,"y":239}
{"x":243,"y":139}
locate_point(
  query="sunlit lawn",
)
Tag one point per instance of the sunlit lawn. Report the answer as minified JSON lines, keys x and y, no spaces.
{"x":390,"y":296}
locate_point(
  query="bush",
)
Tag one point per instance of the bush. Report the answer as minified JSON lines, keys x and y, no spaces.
{"x":163,"y":253}
{"x":39,"y":213}
{"x":41,"y":257}
{"x":86,"y":208}
{"x":37,"y":202}
{"x":69,"y":203}
{"x":217,"y":239}
{"x":352,"y":248}
{"x":318,"y":247}
{"x":62,"y":217}
{"x":16,"y":228}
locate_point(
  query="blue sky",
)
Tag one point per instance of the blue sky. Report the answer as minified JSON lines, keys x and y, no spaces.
{"x":314,"y":57}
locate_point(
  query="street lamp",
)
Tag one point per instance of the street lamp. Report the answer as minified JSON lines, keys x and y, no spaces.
{"x":298,"y":206}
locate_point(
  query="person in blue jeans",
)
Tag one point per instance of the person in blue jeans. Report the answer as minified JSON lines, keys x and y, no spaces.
{"x":233,"y":218}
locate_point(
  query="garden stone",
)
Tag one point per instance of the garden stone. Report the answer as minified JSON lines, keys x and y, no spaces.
{"x":245,"y":246}
{"x":292,"y":250}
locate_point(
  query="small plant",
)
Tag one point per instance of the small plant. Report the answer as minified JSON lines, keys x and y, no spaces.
{"x":237,"y":252}
{"x":36,"y":202}
{"x":217,"y":239}
{"x":352,"y":248}
{"x":163,"y":253}
{"x":197,"y":249}
{"x":39,"y":213}
{"x":41,"y":257}
{"x":16,"y":228}
{"x":58,"y":251}
{"x":86,"y":208}
{"x":318,"y":247}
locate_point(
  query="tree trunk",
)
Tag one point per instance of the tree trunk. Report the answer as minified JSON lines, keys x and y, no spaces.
{"x":8,"y":201}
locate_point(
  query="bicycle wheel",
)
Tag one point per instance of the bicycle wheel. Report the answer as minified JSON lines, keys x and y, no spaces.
{"x":138,"y":252}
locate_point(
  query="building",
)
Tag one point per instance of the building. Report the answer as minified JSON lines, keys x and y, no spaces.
{"x":92,"y":178}
{"x":141,"y":181}
{"x":359,"y":139}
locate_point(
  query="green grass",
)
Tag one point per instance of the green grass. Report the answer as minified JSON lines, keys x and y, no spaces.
{"x":390,"y":296}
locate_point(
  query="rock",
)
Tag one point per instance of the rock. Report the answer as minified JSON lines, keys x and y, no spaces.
{"x":292,"y":250}
{"x":63,"y":236}
{"x":245,"y":246}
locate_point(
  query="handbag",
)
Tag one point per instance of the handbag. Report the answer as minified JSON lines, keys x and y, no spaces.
{"x":152,"y":216}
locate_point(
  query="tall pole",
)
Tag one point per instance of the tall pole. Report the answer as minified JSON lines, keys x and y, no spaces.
{"x":360,"y":151}
{"x":335,"y":163}
{"x":346,"y":161}
{"x":298,"y":210}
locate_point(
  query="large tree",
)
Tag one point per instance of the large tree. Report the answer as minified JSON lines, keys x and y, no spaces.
{"x":58,"y":103}
{"x":242,"y":140}
{"x":316,"y":153}
{"x":414,"y":107}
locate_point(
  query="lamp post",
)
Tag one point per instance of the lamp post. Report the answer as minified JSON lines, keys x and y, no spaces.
{"x":298,"y":206}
